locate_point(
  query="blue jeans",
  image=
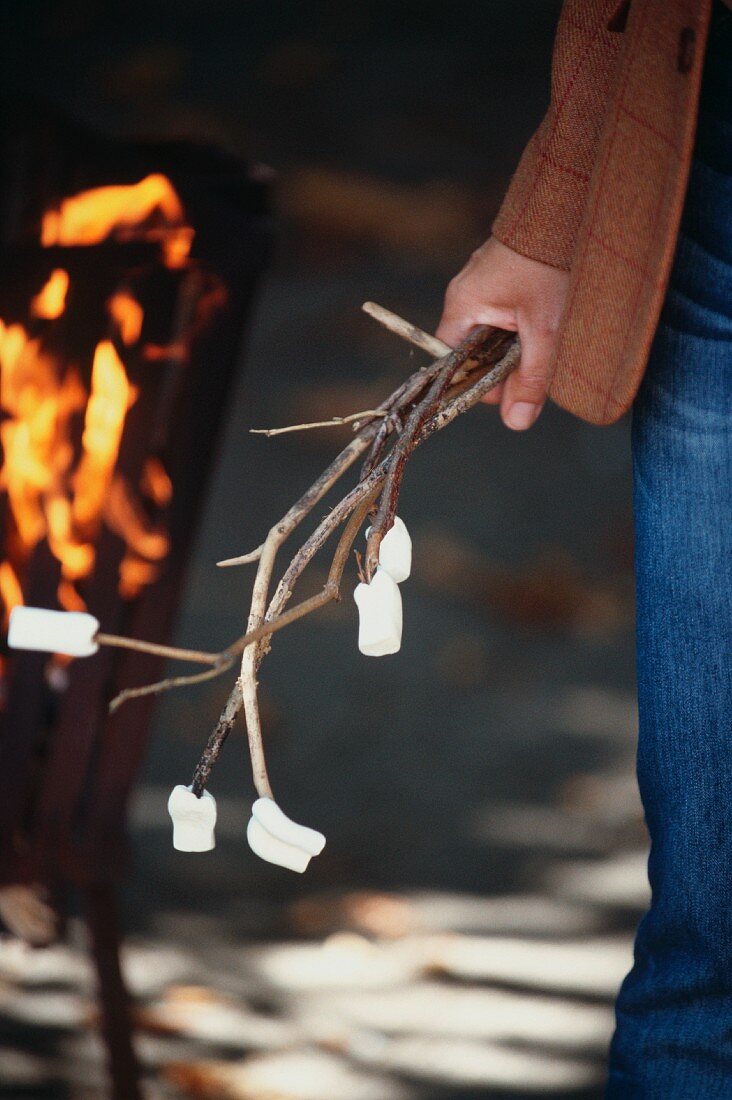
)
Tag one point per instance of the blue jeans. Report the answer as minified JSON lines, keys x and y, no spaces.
{"x":673,"y":1038}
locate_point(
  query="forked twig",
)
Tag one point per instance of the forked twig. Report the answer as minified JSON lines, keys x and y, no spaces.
{"x":169,"y":684}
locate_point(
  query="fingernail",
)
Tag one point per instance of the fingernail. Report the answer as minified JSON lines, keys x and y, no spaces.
{"x":521,"y":415}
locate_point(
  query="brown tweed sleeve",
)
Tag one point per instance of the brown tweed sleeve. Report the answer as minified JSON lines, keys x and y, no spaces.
{"x":541,"y":212}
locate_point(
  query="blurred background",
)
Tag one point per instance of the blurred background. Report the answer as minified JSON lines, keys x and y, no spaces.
{"x":466,"y":928}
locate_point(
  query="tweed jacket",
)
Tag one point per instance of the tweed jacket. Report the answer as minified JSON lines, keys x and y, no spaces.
{"x":599,"y":190}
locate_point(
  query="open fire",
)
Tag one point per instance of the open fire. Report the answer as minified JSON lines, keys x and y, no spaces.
{"x":127,"y":269}
{"x":63,"y":420}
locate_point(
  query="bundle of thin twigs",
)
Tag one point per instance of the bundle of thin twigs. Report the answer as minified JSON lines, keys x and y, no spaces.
{"x":387,"y":436}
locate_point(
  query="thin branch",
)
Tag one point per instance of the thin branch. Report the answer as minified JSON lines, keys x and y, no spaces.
{"x":409,"y":332}
{"x":389,"y":425}
{"x":217,"y":739}
{"x":250,"y":663}
{"x":173,"y":653}
{"x":365,"y":490}
{"x":302,"y":507}
{"x":169,"y":684}
{"x":243,"y":559}
{"x":333,"y":422}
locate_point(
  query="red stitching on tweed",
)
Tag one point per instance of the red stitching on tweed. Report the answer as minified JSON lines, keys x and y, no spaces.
{"x":651,"y":236}
{"x":648,"y":126}
{"x":583,"y":176}
{"x":599,"y":181}
{"x":568,"y":21}
{"x":555,"y":121}
{"x":598,"y":188}
{"x":629,"y":261}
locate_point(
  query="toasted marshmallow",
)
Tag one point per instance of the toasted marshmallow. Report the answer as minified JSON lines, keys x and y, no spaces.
{"x":380,"y":615}
{"x":193,"y":820}
{"x":68,"y":632}
{"x":395,"y":551}
{"x":277,"y":839}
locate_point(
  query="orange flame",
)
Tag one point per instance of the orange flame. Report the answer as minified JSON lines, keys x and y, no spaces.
{"x":53,"y":492}
{"x":77,"y":558}
{"x":122,"y":210}
{"x":68,"y":597}
{"x":127,"y":314}
{"x":10,"y":590}
{"x":50,"y":302}
{"x":36,"y":436}
{"x":124,"y":516}
{"x":155,"y":483}
{"x":111,"y":396}
{"x":135,"y":574}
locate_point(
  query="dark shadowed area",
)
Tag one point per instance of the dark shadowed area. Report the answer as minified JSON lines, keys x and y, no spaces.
{"x":468,"y":923}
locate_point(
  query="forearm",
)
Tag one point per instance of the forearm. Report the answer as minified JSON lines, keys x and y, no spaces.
{"x":543,"y":207}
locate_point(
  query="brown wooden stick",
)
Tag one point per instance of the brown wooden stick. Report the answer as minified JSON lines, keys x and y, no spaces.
{"x":169,"y":684}
{"x":217,"y":740}
{"x":243,"y":559}
{"x":334,"y":421}
{"x":174,"y":653}
{"x":409,"y":332}
{"x":252,"y":656}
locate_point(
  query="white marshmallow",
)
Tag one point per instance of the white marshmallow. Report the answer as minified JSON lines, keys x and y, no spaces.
{"x":395,"y":551}
{"x":68,"y":632}
{"x":193,"y":820}
{"x":277,"y":839}
{"x":380,"y":615}
{"x":269,"y":848}
{"x":271,"y":818}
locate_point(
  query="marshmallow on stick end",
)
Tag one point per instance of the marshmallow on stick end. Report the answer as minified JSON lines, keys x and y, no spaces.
{"x":379,"y":615}
{"x":69,"y":632}
{"x":277,"y":839}
{"x":395,"y":551}
{"x":193,"y":820}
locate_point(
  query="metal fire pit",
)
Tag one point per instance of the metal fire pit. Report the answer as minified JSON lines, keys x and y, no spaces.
{"x":67,"y":767}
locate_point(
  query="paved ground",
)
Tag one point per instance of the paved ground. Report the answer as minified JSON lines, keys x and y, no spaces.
{"x":465,"y":930}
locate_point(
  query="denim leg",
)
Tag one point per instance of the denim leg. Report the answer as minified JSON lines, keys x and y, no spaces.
{"x":674,"y":1010}
{"x":673,"y":1038}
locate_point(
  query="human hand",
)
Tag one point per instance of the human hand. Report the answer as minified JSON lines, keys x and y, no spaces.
{"x":501,"y":287}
